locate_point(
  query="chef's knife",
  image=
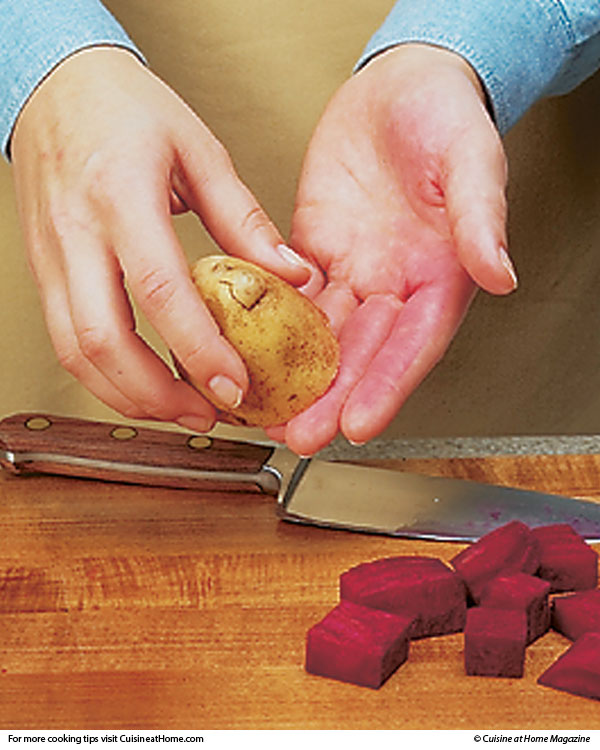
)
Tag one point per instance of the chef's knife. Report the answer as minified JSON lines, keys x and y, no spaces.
{"x":323,"y":493}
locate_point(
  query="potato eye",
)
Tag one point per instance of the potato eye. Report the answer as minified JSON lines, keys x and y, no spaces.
{"x":245,"y":287}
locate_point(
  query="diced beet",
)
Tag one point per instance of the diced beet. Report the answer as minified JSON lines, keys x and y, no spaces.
{"x":522,"y":592}
{"x":495,"y":641}
{"x":576,"y":614}
{"x":423,"y":588}
{"x":567,"y":562}
{"x":508,"y":549}
{"x":357,"y":644}
{"x":555,"y":532}
{"x":569,"y":566}
{"x":577,"y":670}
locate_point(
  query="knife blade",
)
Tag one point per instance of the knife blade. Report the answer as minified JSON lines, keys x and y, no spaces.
{"x":329,"y":494}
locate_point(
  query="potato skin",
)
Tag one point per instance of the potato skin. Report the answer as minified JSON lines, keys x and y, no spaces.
{"x":284,"y":339}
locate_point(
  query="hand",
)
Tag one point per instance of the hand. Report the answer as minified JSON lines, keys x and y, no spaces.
{"x":103,"y":154}
{"x":401,"y":203}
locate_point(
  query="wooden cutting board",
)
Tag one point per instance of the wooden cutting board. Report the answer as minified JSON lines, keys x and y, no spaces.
{"x":125,"y":607}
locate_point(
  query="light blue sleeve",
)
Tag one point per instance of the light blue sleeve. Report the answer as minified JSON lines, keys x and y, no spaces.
{"x":522,"y":50}
{"x":35,"y":35}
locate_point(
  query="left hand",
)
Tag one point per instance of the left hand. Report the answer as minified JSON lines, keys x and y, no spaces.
{"x":401,"y":204}
{"x":104,"y":153}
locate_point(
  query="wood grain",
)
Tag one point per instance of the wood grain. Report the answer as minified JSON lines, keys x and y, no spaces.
{"x":145,"y":608}
{"x":46,"y":439}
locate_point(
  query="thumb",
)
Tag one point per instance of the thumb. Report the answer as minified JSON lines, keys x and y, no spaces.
{"x":474,"y":191}
{"x":208,"y":184}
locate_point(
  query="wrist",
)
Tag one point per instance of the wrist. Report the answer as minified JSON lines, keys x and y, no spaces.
{"x":417,"y":56}
{"x":69,"y":77}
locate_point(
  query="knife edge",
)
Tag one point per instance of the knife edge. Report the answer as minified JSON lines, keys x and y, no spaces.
{"x":402,"y":504}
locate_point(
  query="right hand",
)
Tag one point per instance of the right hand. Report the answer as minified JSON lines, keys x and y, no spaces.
{"x":103,"y":153}
{"x":401,"y":204}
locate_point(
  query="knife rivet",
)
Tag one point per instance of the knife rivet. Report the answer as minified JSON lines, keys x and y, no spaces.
{"x":38,"y":423}
{"x":199,"y":442}
{"x":123,"y":433}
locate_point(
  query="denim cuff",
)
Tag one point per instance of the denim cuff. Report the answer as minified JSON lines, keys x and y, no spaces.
{"x":517,"y":47}
{"x":39,"y":34}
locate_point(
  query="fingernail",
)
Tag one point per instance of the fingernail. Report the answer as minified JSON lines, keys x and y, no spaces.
{"x":195,"y":423}
{"x":507,"y":263}
{"x":226,"y":392}
{"x":291,"y":256}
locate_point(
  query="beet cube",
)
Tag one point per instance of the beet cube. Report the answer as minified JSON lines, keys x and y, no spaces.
{"x":567,"y":562}
{"x":522,"y":592}
{"x":508,"y":549}
{"x":577,"y":670}
{"x":555,"y":532}
{"x":357,"y":644}
{"x":577,"y":614}
{"x":423,"y":588}
{"x":495,"y":641}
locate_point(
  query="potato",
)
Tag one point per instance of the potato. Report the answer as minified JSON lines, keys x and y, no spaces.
{"x":284,"y":340}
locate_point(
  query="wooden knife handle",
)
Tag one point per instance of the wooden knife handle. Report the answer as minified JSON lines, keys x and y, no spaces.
{"x":30,"y":434}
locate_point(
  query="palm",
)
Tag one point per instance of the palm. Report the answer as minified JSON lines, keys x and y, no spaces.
{"x":365,"y":227}
{"x":372,"y":213}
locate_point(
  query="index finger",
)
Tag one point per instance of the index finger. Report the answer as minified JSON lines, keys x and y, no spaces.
{"x":364,"y":332}
{"x":158,"y":275}
{"x":419,"y":338}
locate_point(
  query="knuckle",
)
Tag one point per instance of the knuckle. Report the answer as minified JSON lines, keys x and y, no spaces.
{"x":62,"y":218}
{"x":194,"y":361}
{"x":94,"y":342}
{"x":133,"y":411}
{"x":107,"y":178}
{"x":156,"y":290}
{"x":216,"y":154}
{"x":156,"y":401}
{"x":254,"y":220}
{"x":96,"y":170}
{"x":100,"y":184}
{"x":201,"y":148}
{"x":69,"y":219}
{"x":153,"y":405}
{"x":70,"y":358}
